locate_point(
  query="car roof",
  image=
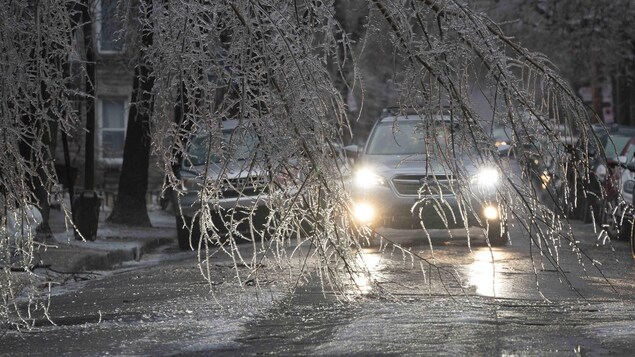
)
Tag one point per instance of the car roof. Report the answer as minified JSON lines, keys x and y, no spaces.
{"x":416,"y":117}
{"x":229,"y":124}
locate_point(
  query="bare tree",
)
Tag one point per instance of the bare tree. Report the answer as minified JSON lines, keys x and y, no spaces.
{"x":268,"y":63}
{"x":278,"y":55}
{"x":35,"y":99}
{"x":589,"y":41}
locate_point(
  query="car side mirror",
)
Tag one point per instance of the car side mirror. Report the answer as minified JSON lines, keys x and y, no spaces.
{"x":352,"y":151}
{"x":631,"y":166}
{"x":616,"y":161}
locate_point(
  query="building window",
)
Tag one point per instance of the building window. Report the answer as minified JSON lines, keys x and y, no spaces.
{"x":109,"y":26}
{"x":113,"y":119}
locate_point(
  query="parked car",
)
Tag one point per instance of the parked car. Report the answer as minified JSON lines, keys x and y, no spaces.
{"x":587,"y":195}
{"x":234,"y":181}
{"x":419,"y":170}
{"x":608,"y":168}
{"x":620,"y":203}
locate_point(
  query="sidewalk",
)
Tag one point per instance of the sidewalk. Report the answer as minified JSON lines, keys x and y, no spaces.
{"x":114,"y":245}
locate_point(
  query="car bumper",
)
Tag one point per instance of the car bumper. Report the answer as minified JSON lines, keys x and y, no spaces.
{"x":383,"y":208}
{"x":189,"y":204}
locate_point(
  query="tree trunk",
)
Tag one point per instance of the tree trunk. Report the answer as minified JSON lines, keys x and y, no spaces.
{"x":130,"y":206}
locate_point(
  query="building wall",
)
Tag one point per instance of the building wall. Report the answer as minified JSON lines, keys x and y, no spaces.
{"x":113,"y":89}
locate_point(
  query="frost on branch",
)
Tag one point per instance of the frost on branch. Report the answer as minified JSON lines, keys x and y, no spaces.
{"x":35,"y":41}
{"x":280,"y":67}
{"x":286,"y":68}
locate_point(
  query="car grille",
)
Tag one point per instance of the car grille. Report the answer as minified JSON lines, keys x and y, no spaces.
{"x":424,"y":185}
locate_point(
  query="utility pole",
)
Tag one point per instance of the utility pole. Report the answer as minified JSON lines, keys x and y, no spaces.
{"x":89,"y":164}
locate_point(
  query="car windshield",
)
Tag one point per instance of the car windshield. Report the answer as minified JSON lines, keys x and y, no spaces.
{"x":500,"y":133}
{"x":237,"y":144}
{"x":615,"y":145}
{"x":411,"y":137}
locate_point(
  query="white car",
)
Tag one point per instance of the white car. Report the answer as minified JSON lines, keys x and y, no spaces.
{"x":417,"y":170}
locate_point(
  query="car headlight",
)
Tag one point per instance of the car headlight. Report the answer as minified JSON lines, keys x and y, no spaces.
{"x":487,"y":178}
{"x":500,"y":142}
{"x":365,"y":178}
{"x":364,"y":212}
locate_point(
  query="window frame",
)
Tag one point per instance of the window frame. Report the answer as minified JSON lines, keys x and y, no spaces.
{"x":100,"y":128}
{"x":98,"y":26}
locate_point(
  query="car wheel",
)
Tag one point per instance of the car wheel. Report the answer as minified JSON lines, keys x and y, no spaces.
{"x":588,"y":214}
{"x":497,"y":234}
{"x":626,"y":230}
{"x":187,"y":230}
{"x":633,"y":245}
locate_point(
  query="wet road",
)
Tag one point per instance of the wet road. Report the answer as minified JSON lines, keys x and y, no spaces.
{"x":503,"y":302}
{"x":475,"y":301}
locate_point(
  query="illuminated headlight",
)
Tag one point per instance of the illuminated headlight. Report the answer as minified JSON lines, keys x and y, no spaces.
{"x":490,"y":213}
{"x":545,"y":178}
{"x":499,"y":143}
{"x":364,"y":212}
{"x":628,"y":186}
{"x":487,"y":178}
{"x":365,"y":178}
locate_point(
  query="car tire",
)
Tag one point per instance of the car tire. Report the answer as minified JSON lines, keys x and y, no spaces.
{"x":497,"y":234}
{"x":588,"y":215}
{"x":633,"y":245}
{"x":187,"y":231}
{"x":626,"y":230}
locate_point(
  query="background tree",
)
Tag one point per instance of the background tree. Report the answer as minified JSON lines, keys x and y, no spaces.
{"x":591,"y":43}
{"x":131,"y":206}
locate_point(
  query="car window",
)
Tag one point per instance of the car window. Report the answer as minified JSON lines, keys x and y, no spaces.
{"x":412,"y":137}
{"x":237,"y":144}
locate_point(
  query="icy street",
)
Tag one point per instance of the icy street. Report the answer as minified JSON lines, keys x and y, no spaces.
{"x":470,"y":306}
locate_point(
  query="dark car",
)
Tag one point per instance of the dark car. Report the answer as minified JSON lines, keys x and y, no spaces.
{"x":231,"y":183}
{"x":419,"y":170}
{"x":606,"y":167}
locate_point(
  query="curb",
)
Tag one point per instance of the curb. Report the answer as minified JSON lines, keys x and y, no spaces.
{"x":87,"y":256}
{"x":114,"y":245}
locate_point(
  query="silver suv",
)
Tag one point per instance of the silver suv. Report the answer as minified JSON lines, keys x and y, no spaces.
{"x":226,"y":170}
{"x":424,"y":170}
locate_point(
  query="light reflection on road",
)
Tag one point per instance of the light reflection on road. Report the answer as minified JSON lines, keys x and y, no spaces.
{"x":371,"y":261}
{"x":485,"y":272}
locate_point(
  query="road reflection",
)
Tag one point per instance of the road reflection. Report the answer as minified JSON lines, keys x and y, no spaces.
{"x":370,"y":260}
{"x":485,"y":272}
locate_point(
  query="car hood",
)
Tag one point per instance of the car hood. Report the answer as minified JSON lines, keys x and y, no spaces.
{"x":391,"y":165}
{"x":229,"y":170}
